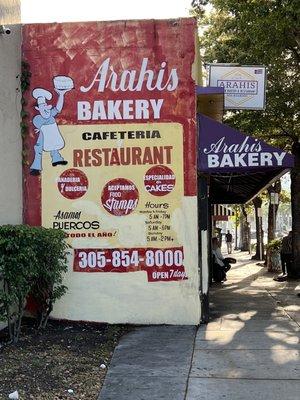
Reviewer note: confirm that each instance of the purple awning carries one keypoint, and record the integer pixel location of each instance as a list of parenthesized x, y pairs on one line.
[(205, 90), (224, 149), (239, 166)]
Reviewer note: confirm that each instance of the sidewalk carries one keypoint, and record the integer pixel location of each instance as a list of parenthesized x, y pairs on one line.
[(250, 349)]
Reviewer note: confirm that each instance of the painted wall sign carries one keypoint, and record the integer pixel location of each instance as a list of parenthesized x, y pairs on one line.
[(125, 192), (112, 161), (224, 149), (244, 86)]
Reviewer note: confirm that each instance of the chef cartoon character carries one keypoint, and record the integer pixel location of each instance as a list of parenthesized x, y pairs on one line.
[(50, 138)]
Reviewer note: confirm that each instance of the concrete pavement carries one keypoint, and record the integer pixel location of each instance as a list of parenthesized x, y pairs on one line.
[(249, 350), (151, 363)]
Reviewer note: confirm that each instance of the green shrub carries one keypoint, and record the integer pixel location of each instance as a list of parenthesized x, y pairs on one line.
[(274, 245), (51, 248), (32, 261)]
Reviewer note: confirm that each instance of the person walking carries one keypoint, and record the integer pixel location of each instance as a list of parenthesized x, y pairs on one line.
[(228, 238), (286, 253)]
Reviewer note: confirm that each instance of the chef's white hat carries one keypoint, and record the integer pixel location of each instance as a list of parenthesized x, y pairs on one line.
[(41, 100), (41, 95)]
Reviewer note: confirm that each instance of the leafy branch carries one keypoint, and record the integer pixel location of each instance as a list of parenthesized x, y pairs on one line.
[(25, 85)]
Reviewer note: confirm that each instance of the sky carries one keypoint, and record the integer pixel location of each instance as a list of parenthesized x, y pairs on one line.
[(101, 10)]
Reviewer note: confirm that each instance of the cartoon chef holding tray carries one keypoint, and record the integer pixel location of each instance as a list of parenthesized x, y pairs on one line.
[(50, 138)]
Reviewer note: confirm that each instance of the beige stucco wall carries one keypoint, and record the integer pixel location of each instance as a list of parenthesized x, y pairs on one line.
[(129, 297), (10, 12), (10, 139), (10, 143)]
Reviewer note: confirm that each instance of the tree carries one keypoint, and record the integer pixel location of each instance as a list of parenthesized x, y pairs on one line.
[(245, 229), (259, 253), (257, 32), (275, 188), (284, 210)]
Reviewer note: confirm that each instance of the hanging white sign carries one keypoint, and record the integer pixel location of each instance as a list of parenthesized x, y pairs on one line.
[(244, 86)]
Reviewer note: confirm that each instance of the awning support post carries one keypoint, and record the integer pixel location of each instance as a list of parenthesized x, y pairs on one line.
[(204, 246)]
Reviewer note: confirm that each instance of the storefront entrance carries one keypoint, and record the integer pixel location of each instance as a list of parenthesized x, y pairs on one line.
[(233, 168)]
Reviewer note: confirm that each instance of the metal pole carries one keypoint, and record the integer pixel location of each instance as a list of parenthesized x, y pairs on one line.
[(260, 236), (274, 223), (261, 240), (236, 229), (204, 231)]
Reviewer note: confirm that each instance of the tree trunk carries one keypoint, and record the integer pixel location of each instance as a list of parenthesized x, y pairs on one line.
[(245, 231), (295, 198), (259, 254), (273, 208)]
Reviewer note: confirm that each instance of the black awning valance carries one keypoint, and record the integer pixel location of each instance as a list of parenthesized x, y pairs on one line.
[(240, 188)]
